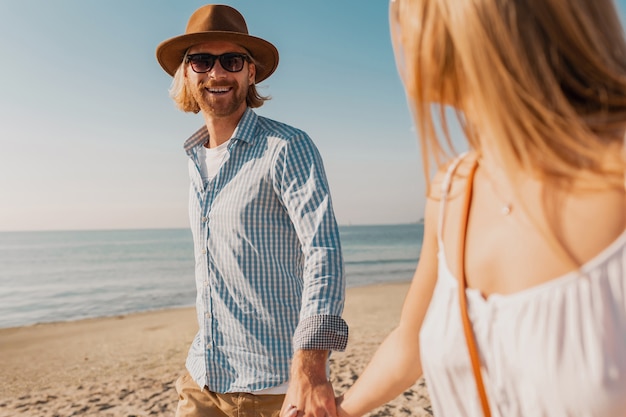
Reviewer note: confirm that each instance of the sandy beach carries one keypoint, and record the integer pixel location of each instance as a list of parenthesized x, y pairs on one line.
[(126, 366)]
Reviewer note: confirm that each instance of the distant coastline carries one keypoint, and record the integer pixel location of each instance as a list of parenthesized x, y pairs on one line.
[(349, 224)]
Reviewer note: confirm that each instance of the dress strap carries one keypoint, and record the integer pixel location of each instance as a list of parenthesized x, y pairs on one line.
[(470, 339), (445, 190)]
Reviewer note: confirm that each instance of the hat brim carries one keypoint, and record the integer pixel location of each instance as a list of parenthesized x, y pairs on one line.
[(170, 52)]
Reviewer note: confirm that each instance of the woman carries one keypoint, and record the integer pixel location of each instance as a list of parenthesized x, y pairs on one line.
[(539, 87)]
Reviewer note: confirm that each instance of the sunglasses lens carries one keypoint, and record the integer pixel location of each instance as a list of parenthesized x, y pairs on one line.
[(202, 62), (232, 62)]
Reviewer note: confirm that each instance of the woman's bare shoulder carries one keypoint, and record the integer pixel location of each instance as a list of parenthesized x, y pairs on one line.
[(461, 166)]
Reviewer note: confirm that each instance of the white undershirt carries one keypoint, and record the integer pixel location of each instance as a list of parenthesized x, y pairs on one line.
[(279, 390), (211, 159)]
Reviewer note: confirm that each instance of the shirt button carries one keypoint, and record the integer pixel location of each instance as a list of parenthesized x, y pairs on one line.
[(204, 251), (204, 219), (207, 315)]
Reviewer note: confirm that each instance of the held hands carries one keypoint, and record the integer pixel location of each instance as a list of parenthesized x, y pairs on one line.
[(310, 394), (340, 411), (292, 410), (315, 400)]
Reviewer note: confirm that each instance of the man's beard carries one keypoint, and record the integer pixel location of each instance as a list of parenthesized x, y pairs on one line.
[(214, 104)]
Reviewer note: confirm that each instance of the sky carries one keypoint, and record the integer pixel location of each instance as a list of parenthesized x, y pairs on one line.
[(89, 138)]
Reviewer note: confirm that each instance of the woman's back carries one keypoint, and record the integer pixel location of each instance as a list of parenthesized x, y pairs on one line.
[(552, 339), (514, 241)]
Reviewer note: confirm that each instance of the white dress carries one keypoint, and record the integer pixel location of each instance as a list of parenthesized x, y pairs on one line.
[(557, 349)]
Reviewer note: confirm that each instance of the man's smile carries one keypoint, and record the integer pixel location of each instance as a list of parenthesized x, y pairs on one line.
[(218, 90)]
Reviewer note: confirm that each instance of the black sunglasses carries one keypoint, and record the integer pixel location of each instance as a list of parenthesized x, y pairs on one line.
[(230, 61)]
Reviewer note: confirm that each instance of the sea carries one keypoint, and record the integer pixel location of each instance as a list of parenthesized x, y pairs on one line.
[(57, 276)]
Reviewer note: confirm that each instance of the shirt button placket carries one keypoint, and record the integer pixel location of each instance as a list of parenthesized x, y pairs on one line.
[(208, 326), (209, 342)]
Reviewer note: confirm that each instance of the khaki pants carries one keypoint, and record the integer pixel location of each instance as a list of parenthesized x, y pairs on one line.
[(193, 402)]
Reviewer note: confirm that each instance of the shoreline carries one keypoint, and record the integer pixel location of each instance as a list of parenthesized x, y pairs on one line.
[(126, 365), (159, 309)]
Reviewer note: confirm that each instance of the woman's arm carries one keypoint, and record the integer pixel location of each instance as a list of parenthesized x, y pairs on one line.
[(396, 364)]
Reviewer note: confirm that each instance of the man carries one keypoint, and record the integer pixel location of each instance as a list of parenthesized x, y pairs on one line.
[(269, 270)]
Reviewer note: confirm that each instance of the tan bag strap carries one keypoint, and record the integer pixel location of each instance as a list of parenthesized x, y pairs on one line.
[(467, 328)]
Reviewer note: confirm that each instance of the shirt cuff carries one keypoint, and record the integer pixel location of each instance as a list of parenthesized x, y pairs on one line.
[(321, 332)]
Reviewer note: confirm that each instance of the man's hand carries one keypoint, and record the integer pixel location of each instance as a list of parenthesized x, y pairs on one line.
[(310, 393)]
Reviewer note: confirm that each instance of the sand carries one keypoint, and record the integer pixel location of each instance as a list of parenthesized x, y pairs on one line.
[(126, 366)]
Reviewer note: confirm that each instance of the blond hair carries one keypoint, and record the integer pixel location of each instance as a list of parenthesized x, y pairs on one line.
[(541, 82), (184, 100)]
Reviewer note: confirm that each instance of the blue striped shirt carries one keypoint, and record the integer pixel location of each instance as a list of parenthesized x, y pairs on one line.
[(268, 263)]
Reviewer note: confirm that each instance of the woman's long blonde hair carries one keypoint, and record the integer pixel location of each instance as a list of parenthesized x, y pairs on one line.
[(542, 82)]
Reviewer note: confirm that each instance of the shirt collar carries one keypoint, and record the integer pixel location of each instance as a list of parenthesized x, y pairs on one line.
[(244, 131)]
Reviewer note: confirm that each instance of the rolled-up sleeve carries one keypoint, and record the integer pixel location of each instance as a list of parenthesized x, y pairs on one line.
[(321, 333)]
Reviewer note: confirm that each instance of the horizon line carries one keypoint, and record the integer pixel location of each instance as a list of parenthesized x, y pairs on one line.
[(122, 229)]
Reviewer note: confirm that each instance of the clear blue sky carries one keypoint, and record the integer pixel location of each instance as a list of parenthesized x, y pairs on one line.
[(90, 139)]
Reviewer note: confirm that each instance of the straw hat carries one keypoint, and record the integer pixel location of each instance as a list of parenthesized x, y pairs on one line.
[(215, 22)]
